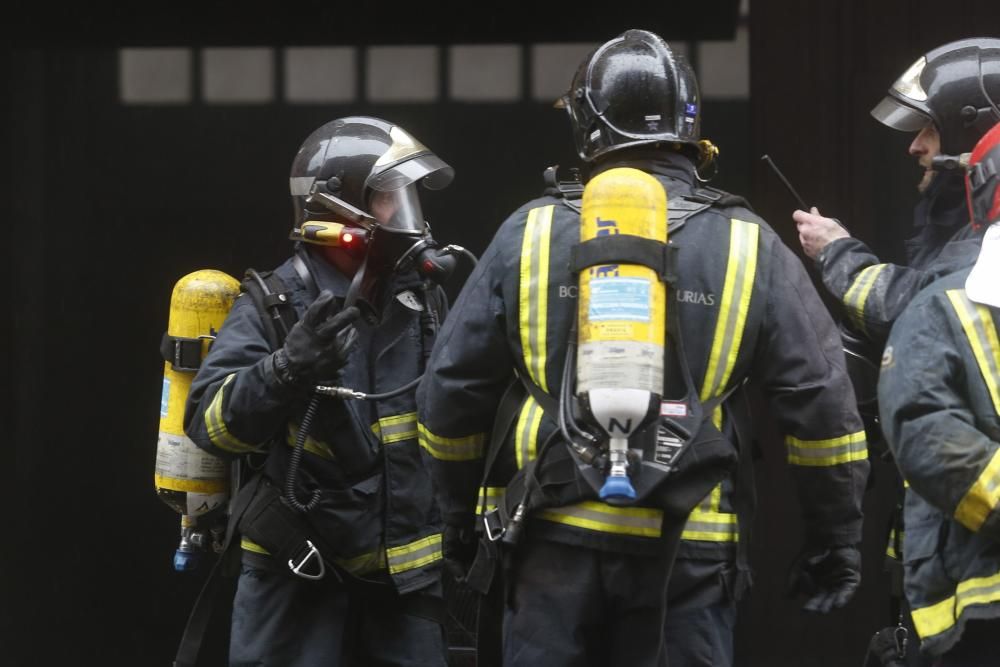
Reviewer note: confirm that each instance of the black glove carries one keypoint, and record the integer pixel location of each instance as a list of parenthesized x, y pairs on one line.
[(828, 577), (318, 345), (458, 547)]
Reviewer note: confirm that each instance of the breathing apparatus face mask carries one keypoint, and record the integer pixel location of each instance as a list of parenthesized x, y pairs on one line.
[(401, 238)]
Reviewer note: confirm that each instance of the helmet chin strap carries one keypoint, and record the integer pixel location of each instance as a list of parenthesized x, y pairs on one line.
[(354, 290)]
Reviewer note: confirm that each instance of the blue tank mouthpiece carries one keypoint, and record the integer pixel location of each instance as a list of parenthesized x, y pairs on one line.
[(185, 561), (617, 487)]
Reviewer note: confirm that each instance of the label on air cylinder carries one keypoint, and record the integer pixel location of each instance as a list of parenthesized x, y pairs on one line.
[(620, 365), (182, 466), (621, 299)]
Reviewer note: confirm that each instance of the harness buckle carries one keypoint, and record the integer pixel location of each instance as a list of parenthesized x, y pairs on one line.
[(299, 568), (493, 525)]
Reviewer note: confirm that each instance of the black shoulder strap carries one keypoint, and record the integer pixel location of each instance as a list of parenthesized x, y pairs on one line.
[(571, 191), (273, 303), (716, 197)]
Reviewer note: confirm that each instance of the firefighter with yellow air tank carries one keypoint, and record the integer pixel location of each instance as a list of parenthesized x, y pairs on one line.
[(607, 334), (310, 382)]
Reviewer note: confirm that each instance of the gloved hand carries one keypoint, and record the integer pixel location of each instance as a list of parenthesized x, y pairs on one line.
[(318, 345), (828, 577), (458, 547)]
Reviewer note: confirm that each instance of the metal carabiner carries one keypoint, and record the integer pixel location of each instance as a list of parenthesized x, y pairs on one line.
[(311, 553)]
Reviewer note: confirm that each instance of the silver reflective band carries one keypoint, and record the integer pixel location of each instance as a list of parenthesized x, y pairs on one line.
[(908, 85)]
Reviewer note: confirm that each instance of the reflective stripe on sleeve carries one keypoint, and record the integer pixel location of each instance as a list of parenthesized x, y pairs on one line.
[(829, 452), (468, 448), (216, 427), (598, 516), (981, 499), (857, 294), (396, 428), (534, 290), (942, 616), (415, 554)]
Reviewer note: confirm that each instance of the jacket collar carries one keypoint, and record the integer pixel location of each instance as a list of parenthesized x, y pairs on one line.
[(665, 164)]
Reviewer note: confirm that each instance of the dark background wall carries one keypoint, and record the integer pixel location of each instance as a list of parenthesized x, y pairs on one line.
[(108, 205)]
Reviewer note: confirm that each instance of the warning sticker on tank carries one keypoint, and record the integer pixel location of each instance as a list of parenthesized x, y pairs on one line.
[(165, 397), (619, 299)]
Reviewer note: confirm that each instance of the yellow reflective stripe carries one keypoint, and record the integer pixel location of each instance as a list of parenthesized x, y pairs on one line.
[(490, 497), (829, 452), (415, 554), (707, 526), (715, 498), (890, 548), (937, 618), (982, 497), (741, 271), (250, 545), (311, 445), (468, 448), (534, 291), (396, 428), (526, 435), (982, 334), (218, 433), (857, 294), (593, 515), (364, 563)]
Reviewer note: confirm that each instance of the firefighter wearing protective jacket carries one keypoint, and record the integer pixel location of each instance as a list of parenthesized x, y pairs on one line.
[(939, 392), (588, 580), (949, 97), (340, 535)]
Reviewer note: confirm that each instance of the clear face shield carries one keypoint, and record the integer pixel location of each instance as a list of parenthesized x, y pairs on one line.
[(399, 210)]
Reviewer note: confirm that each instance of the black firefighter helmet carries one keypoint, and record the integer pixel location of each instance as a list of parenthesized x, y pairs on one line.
[(956, 86), (362, 172), (634, 90)]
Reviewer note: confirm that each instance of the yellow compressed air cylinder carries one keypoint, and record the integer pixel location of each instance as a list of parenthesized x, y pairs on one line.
[(622, 314), (188, 479)]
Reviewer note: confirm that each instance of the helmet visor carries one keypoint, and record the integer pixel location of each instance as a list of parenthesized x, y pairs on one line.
[(432, 170), (398, 209), (899, 116)]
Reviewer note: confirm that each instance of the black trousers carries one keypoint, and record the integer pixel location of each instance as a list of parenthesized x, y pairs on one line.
[(701, 613), (284, 621), (571, 606)]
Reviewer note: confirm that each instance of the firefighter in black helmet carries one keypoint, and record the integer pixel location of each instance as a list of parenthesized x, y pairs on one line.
[(588, 580), (948, 98), (340, 537)]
